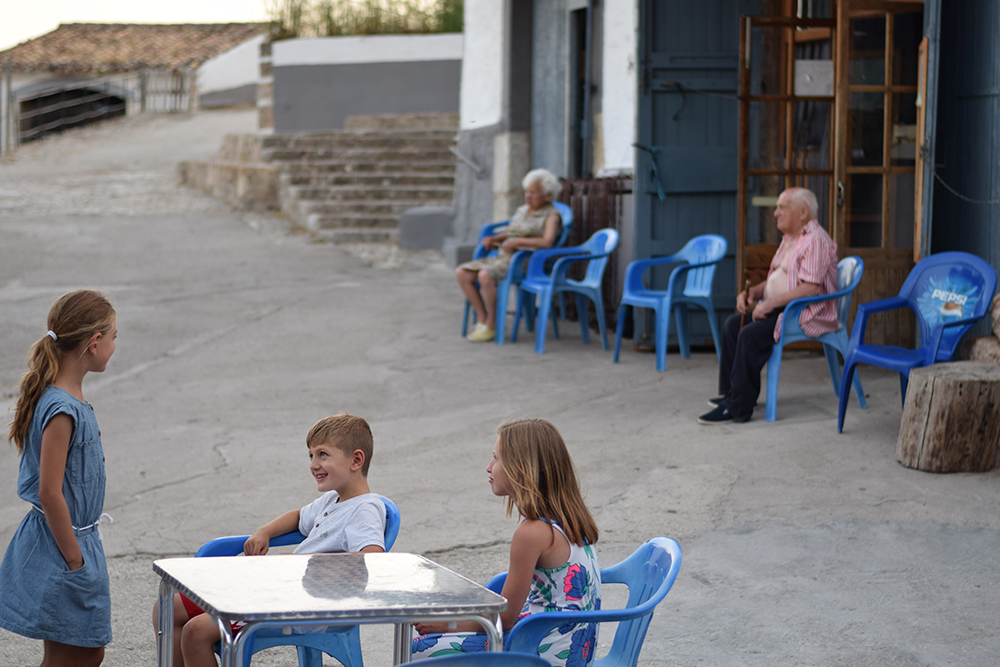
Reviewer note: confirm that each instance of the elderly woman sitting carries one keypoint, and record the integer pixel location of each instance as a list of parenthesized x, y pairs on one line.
[(535, 225)]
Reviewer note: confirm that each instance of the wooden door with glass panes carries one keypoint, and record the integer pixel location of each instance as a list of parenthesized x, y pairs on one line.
[(876, 126), (877, 123), (786, 103), (829, 101)]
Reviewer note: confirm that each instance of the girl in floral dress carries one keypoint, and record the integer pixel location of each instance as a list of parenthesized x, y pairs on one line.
[(553, 564)]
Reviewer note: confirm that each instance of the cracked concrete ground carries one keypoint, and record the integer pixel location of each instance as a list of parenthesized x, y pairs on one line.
[(801, 546)]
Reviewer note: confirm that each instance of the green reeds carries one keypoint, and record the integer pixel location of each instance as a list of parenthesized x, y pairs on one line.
[(331, 18)]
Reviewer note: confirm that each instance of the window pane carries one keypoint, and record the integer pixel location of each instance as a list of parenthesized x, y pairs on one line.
[(903, 150), (901, 210), (867, 117), (866, 210), (907, 32), (763, 194), (867, 39), (766, 75), (767, 135)]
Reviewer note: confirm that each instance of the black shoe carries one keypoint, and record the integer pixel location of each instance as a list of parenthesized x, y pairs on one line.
[(717, 401), (719, 415)]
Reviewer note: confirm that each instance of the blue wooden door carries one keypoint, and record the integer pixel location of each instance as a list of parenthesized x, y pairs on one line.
[(688, 123)]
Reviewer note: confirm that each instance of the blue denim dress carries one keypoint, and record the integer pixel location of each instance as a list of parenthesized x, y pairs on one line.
[(41, 598)]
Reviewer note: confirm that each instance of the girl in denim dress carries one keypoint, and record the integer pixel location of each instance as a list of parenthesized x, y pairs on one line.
[(53, 576), (553, 564)]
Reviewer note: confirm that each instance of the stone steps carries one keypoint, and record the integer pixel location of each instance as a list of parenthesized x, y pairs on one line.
[(323, 179), (386, 154), (347, 187), (365, 139), (348, 193), (381, 167)]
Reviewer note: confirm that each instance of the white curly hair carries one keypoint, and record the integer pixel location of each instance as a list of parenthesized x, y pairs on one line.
[(549, 181)]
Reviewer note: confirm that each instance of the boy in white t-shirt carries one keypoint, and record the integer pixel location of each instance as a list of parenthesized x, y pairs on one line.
[(348, 517)]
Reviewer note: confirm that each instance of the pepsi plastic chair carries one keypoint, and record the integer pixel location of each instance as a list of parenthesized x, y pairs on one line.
[(849, 272), (486, 659), (948, 292), (690, 283), (649, 574), (516, 272), (342, 642), (595, 251)]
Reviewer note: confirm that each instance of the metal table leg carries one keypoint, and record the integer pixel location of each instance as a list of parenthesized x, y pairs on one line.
[(165, 621)]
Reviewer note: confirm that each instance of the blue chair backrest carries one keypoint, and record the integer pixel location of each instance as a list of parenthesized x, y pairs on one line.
[(649, 574), (601, 242), (946, 287), (233, 546), (566, 213), (701, 249), (849, 272)]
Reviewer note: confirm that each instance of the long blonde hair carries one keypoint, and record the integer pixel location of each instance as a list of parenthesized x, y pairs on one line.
[(543, 479), (74, 318)]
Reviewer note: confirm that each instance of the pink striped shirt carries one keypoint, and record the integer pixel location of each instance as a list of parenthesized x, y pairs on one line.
[(814, 260)]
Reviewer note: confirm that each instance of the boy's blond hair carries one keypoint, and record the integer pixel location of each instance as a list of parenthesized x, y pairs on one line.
[(345, 432)]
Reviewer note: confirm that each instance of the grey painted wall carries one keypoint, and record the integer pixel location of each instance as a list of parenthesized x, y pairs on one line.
[(229, 98), (317, 98)]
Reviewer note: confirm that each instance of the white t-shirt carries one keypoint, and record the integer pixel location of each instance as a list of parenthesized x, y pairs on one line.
[(333, 527)]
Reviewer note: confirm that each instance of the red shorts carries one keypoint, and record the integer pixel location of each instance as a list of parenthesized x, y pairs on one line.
[(194, 610)]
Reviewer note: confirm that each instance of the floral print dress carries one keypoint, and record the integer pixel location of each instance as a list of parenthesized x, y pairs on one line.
[(522, 225), (574, 586)]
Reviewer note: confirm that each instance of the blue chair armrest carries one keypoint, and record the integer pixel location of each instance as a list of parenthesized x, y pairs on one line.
[(233, 544), (938, 334), (562, 264), (487, 230), (882, 305), (861, 318), (528, 633), (536, 265), (796, 306), (635, 269)]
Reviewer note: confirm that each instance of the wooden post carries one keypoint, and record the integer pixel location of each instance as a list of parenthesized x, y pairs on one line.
[(951, 420)]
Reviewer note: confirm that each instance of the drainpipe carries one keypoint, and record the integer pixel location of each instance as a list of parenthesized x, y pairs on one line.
[(587, 130)]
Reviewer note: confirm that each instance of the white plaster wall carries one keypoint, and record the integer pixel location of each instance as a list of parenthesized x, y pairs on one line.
[(482, 64), (620, 83), (367, 49), (239, 66)]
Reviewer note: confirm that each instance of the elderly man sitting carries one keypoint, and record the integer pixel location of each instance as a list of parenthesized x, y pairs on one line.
[(805, 265)]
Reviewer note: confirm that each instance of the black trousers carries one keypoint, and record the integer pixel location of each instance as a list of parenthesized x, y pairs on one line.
[(744, 354)]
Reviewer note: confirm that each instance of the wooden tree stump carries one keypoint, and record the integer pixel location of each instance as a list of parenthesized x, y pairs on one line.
[(951, 420)]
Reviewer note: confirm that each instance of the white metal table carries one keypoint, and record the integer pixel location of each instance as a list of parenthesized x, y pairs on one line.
[(303, 591)]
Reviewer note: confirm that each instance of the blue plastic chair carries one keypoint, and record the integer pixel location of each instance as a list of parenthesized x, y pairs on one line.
[(595, 251), (342, 642), (486, 659), (516, 272), (948, 292), (849, 272), (690, 283), (649, 574)]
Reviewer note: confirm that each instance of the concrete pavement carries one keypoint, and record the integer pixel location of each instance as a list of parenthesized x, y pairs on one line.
[(801, 546)]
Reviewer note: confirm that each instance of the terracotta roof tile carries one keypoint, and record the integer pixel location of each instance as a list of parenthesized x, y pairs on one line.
[(104, 48)]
